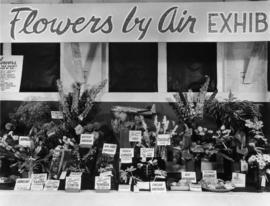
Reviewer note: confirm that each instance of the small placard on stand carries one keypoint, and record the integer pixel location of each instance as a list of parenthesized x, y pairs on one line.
[(86, 140), (102, 183), (209, 175), (239, 179), (124, 188), (22, 184), (52, 185), (38, 181), (143, 186), (135, 136), (158, 186), (25, 141), (109, 149), (57, 115), (73, 184)]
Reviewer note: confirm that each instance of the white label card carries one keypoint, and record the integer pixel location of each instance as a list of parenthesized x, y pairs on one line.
[(109, 149), (135, 136), (102, 183), (124, 188), (126, 155), (195, 187), (147, 152), (57, 115), (86, 140), (189, 176), (158, 186), (51, 185), (143, 185), (39, 179), (239, 179), (25, 141), (11, 73), (73, 184), (163, 139), (23, 184), (209, 174)]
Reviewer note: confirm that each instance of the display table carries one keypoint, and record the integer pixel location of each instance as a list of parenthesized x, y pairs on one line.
[(10, 198)]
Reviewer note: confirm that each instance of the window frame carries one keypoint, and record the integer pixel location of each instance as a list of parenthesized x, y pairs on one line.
[(161, 96)]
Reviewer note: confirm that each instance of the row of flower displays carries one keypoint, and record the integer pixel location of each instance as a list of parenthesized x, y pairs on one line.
[(59, 146)]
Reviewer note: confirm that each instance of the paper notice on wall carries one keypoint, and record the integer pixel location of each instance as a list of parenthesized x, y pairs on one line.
[(10, 73)]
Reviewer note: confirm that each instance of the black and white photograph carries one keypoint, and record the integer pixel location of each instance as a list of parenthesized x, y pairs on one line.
[(134, 102)]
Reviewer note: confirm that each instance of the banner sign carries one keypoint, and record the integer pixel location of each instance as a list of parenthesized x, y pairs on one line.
[(127, 22), (11, 73)]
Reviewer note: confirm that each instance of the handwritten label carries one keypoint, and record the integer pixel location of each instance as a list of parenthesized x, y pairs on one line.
[(23, 184), (73, 184), (147, 152), (163, 140), (189, 176), (102, 183), (38, 181), (135, 136), (51, 185), (158, 186), (239, 179), (25, 141), (209, 174), (109, 149), (143, 186), (10, 73), (86, 140), (57, 115), (126, 155)]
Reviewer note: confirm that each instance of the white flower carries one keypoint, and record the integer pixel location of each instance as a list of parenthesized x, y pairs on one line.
[(222, 127), (200, 129), (252, 159), (266, 158)]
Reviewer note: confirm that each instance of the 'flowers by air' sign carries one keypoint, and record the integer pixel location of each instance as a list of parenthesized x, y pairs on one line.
[(230, 21)]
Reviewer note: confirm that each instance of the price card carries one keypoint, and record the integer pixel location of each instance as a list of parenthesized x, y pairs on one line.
[(158, 186), (239, 179), (143, 186), (23, 184), (38, 181), (109, 149), (102, 183), (73, 184), (209, 174), (163, 139), (86, 140), (147, 152), (135, 136), (126, 155), (51, 185), (25, 141), (189, 176), (57, 115)]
